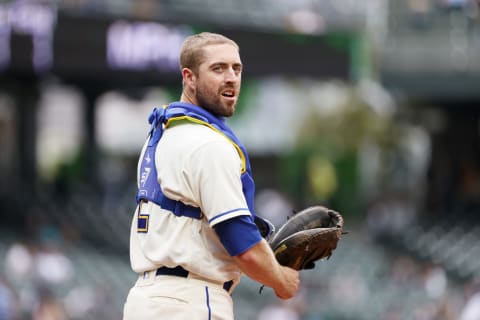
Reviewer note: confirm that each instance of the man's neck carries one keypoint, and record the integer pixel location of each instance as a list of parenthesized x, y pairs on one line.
[(185, 97)]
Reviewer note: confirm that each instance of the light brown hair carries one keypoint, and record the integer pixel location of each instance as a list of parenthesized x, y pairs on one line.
[(191, 53)]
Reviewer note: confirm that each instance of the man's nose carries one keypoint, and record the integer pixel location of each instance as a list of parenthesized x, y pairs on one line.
[(231, 75)]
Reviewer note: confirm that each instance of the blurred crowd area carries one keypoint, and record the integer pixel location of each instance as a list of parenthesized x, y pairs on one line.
[(403, 167), (57, 267)]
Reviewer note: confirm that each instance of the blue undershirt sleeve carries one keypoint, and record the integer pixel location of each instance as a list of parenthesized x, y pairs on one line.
[(238, 234)]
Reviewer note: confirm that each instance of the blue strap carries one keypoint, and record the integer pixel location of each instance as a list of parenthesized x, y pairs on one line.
[(150, 189), (156, 119), (176, 109), (179, 208)]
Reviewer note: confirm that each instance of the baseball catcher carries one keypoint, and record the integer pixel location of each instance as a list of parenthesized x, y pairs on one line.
[(310, 235)]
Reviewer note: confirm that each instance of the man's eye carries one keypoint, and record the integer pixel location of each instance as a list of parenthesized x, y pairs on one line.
[(217, 69)]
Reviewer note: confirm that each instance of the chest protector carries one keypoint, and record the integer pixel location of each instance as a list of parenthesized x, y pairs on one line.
[(160, 118)]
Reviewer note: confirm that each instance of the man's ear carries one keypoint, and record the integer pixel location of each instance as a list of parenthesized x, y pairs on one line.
[(189, 78)]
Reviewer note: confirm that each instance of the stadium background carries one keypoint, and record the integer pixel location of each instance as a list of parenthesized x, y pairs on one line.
[(369, 107)]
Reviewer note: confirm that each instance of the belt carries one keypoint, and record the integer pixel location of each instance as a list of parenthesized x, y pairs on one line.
[(179, 271)]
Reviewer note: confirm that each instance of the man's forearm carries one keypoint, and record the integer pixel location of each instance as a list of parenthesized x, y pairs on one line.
[(259, 264)]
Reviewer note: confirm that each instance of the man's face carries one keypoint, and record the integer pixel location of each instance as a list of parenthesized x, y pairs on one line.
[(218, 80)]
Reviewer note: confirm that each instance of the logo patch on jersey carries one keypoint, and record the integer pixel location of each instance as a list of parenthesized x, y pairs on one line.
[(144, 176), (147, 157)]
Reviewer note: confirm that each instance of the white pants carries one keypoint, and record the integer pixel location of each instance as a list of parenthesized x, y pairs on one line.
[(172, 297)]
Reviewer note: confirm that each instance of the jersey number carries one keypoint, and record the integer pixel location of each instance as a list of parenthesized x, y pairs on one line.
[(142, 225)]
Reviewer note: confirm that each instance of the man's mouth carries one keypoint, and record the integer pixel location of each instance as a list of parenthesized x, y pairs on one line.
[(228, 93)]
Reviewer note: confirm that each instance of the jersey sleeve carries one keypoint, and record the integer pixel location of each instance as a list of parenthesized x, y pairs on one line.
[(238, 234), (215, 179)]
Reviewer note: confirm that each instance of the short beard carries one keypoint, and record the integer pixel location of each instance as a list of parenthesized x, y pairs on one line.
[(213, 104)]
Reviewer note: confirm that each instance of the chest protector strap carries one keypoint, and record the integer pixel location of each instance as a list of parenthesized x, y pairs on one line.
[(149, 188)]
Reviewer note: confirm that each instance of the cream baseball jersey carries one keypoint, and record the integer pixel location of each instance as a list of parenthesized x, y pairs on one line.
[(201, 168)]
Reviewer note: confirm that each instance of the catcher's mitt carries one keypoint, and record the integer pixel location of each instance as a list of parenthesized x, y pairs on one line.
[(310, 235)]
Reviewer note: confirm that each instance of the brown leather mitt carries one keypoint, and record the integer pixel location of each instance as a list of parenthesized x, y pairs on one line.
[(310, 235)]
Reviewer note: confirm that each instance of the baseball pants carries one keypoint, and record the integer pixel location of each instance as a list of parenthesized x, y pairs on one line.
[(155, 297)]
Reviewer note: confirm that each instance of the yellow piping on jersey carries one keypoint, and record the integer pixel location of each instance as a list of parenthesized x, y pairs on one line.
[(195, 120)]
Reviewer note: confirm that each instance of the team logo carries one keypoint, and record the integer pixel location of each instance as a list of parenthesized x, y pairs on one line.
[(144, 176), (147, 157)]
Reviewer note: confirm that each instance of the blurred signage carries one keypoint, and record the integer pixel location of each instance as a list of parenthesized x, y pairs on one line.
[(37, 38), (144, 45), (32, 19)]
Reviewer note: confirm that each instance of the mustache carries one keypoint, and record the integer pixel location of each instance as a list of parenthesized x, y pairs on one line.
[(232, 87)]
